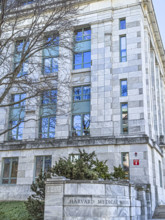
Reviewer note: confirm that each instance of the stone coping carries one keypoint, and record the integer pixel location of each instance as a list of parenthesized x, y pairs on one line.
[(58, 179)]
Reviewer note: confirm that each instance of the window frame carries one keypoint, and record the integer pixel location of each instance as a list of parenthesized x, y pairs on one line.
[(121, 87), (127, 176), (122, 19), (53, 35), (43, 165), (10, 170), (82, 51), (124, 133), (11, 108), (82, 114), (122, 57), (21, 73), (48, 116)]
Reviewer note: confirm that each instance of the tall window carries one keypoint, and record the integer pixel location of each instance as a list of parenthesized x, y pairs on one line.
[(123, 87), (20, 49), (43, 163), (10, 167), (50, 55), (160, 174), (125, 163), (122, 23), (123, 49), (16, 117), (124, 118), (82, 53), (48, 114), (81, 111)]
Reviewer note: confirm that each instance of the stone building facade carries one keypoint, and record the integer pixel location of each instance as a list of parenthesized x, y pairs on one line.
[(120, 83)]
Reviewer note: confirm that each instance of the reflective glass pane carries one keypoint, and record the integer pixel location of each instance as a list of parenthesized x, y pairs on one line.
[(78, 58), (25, 69), (78, 34), (52, 123), (44, 125), (13, 181), (45, 98), (53, 96), (86, 92), (77, 122), (6, 169), (122, 24), (87, 33), (19, 46), (77, 93), (76, 67), (39, 165), (47, 65), (86, 122), (44, 135), (87, 57), (124, 88), (16, 98), (48, 160), (123, 43), (14, 168), (124, 108), (55, 65), (5, 181)]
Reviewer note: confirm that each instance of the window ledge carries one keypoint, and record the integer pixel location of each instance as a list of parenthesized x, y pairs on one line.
[(81, 70)]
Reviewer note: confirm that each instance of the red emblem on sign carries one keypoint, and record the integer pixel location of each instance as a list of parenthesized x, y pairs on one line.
[(135, 162)]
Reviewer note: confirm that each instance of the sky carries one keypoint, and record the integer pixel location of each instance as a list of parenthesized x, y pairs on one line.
[(159, 6)]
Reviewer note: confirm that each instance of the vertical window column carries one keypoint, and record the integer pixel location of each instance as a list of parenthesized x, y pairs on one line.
[(125, 163), (20, 49), (50, 55), (124, 118), (123, 49), (81, 111), (122, 23), (16, 117), (123, 87), (48, 114), (82, 50)]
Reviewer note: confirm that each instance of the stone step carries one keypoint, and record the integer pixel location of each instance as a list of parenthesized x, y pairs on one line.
[(159, 212)]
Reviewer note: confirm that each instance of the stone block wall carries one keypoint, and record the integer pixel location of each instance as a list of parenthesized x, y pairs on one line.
[(99, 200)]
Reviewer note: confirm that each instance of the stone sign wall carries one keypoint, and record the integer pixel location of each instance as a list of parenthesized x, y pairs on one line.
[(95, 200)]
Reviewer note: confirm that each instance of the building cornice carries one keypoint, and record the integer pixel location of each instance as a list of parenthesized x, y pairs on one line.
[(77, 142), (155, 27)]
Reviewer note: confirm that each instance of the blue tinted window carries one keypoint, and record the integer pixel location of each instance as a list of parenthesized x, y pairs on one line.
[(123, 49), (123, 84), (124, 118), (20, 49), (122, 24), (50, 55), (81, 93), (17, 112), (82, 55), (48, 114), (81, 111)]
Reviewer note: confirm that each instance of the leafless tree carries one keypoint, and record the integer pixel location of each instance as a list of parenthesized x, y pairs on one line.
[(29, 28)]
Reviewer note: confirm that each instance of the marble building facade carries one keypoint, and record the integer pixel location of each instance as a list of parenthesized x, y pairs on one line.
[(122, 80)]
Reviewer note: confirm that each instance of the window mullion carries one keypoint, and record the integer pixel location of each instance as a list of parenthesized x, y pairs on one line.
[(10, 169)]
